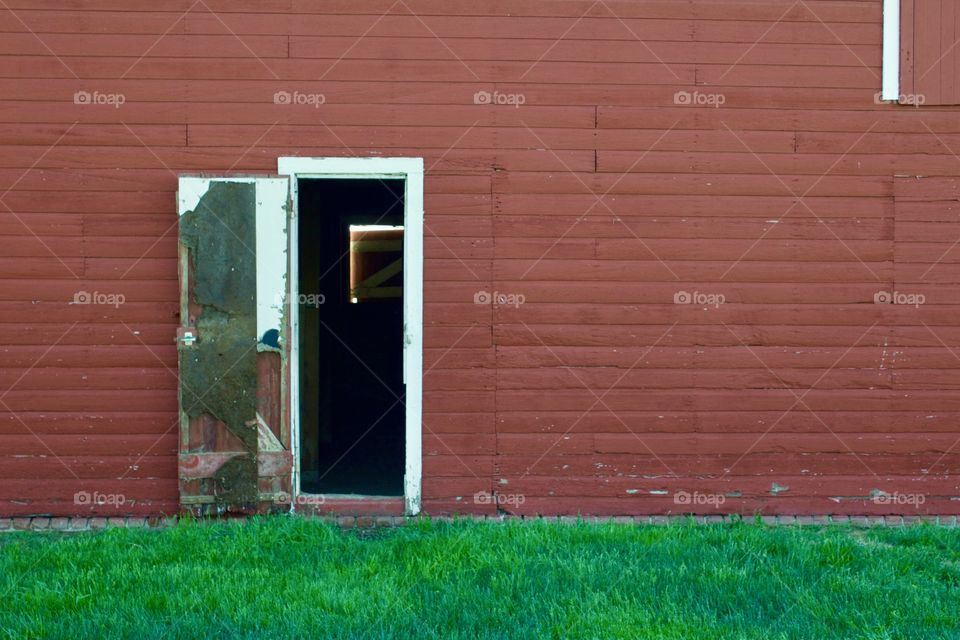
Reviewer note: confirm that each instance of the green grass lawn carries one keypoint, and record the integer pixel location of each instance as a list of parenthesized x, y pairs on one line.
[(289, 577)]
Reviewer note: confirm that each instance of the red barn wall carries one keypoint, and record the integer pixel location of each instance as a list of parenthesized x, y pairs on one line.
[(598, 200)]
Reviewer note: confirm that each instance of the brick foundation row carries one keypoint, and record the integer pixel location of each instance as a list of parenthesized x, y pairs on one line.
[(43, 523)]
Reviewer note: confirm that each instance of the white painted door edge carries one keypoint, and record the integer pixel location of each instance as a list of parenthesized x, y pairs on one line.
[(891, 50)]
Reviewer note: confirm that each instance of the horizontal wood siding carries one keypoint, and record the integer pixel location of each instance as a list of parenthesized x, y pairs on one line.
[(643, 152)]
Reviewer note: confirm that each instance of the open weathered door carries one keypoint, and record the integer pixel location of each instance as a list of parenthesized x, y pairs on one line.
[(235, 452)]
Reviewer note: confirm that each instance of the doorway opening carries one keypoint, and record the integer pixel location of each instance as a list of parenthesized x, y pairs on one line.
[(350, 254)]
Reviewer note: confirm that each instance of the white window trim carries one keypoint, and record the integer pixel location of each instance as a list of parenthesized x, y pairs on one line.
[(411, 171), (891, 50)]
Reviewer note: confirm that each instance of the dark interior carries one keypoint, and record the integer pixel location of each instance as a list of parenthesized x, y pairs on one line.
[(351, 359)]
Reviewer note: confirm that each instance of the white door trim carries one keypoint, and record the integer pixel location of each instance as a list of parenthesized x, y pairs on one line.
[(891, 50), (411, 171)]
